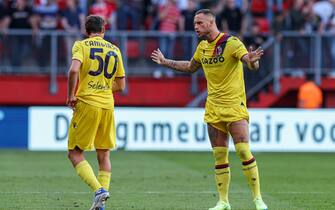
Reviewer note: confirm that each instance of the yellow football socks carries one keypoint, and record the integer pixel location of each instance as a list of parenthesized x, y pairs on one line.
[(222, 172), (104, 178), (86, 173), (249, 167)]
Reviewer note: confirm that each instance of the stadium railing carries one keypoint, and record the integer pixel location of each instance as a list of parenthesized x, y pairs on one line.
[(49, 52)]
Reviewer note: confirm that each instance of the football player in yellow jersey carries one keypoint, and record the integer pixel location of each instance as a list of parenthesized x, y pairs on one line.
[(221, 57), (97, 67)]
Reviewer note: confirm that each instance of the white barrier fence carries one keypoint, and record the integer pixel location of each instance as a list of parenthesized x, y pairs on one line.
[(182, 129)]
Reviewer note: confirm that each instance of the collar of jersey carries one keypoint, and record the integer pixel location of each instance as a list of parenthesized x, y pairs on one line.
[(216, 39), (96, 37)]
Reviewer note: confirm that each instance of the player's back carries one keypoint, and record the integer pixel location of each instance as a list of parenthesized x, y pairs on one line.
[(101, 63)]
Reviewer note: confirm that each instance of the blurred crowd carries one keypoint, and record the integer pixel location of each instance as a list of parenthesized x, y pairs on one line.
[(234, 16), (251, 20)]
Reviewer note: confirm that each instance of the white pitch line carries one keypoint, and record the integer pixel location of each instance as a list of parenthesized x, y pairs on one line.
[(158, 192)]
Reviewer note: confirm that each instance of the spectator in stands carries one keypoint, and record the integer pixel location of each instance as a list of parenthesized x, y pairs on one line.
[(259, 8), (310, 95), (203, 4), (129, 15), (187, 25), (2, 16), (278, 24), (2, 32), (261, 13), (105, 9), (48, 21), (256, 38), (148, 15), (296, 16), (312, 20), (19, 16), (326, 10), (299, 47), (216, 7), (170, 22), (232, 19), (243, 5), (47, 15), (73, 20)]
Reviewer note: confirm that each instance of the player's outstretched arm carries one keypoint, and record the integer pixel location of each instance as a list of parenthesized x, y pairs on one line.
[(182, 66), (253, 57)]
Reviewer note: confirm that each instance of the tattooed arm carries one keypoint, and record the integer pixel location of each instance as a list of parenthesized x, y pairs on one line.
[(182, 66)]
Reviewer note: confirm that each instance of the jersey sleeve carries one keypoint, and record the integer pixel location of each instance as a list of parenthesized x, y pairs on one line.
[(196, 55), (238, 48), (120, 68), (77, 52)]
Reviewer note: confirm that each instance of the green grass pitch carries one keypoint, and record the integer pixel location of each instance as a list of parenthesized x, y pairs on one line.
[(165, 180)]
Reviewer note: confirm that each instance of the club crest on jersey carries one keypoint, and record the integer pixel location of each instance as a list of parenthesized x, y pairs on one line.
[(218, 51)]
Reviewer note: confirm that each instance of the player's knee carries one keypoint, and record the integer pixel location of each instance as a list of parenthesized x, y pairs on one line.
[(243, 151), (220, 155), (71, 155)]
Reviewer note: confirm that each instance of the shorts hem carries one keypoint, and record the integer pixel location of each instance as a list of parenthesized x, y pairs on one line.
[(110, 148), (80, 147), (217, 127)]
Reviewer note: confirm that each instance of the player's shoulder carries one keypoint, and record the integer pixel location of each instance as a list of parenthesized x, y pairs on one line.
[(202, 43), (78, 43), (233, 39), (234, 42), (111, 46)]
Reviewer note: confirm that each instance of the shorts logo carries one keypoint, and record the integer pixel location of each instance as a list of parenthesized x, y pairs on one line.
[(74, 125)]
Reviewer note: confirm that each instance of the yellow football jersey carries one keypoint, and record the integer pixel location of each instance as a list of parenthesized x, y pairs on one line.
[(223, 68), (101, 62)]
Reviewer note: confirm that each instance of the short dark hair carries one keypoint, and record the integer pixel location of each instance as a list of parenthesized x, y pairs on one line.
[(94, 24), (205, 12)]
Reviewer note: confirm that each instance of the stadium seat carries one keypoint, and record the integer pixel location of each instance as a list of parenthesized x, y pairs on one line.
[(133, 49), (150, 45), (263, 24)]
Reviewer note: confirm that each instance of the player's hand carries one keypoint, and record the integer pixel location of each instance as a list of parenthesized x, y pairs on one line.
[(255, 55), (71, 102), (157, 56)]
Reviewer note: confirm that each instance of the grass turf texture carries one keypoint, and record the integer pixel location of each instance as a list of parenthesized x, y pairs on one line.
[(165, 180)]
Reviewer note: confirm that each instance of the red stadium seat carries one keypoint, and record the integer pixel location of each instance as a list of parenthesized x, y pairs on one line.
[(263, 24), (133, 49), (150, 45)]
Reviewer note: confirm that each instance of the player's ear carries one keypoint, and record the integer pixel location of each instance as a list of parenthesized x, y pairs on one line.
[(211, 21)]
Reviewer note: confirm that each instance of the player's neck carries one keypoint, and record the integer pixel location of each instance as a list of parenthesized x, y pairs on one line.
[(96, 35), (212, 36)]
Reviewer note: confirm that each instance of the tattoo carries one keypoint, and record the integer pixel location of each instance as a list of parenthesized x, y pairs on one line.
[(183, 66), (239, 131)]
